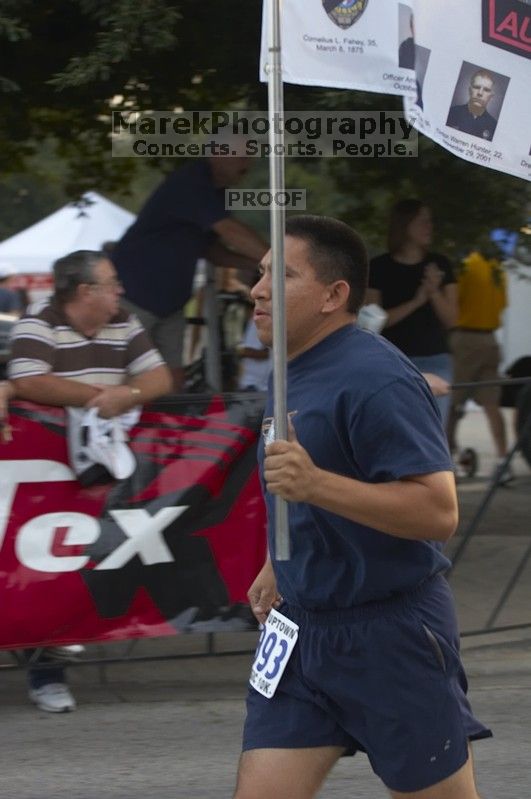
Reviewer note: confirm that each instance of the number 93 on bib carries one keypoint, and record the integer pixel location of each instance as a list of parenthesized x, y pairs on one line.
[(277, 641)]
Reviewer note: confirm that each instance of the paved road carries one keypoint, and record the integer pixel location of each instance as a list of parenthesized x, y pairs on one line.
[(177, 736)]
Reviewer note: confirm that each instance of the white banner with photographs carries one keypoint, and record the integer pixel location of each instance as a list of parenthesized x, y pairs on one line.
[(474, 75), (463, 66), (347, 45)]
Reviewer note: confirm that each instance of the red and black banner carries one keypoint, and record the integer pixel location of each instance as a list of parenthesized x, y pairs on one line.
[(173, 547), (507, 24)]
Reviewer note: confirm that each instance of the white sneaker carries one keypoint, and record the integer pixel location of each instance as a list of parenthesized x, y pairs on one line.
[(94, 443), (106, 445), (68, 653), (466, 463), (54, 697)]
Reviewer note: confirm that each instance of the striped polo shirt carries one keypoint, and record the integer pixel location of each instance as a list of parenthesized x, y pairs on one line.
[(43, 342)]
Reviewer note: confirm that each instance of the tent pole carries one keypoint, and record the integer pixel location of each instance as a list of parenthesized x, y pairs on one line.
[(277, 223)]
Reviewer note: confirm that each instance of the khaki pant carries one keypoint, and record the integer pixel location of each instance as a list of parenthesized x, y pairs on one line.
[(476, 358)]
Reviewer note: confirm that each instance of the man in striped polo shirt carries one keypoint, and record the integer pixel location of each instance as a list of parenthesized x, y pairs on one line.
[(82, 350)]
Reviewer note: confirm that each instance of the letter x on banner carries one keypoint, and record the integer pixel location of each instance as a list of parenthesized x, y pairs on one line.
[(462, 66), (173, 547)]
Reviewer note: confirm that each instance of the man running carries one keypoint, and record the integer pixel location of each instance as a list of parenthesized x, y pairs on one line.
[(369, 479)]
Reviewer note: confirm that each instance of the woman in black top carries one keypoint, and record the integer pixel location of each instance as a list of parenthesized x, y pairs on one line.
[(418, 291)]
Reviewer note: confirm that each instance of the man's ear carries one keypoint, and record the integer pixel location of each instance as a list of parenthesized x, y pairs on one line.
[(337, 296)]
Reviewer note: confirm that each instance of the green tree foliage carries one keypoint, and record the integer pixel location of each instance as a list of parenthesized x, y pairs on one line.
[(62, 63), (65, 64), (25, 199)]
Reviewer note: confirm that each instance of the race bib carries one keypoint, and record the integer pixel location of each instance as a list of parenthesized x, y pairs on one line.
[(277, 640)]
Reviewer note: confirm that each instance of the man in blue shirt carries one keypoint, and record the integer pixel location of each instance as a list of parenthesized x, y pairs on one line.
[(185, 219), (10, 302), (372, 499)]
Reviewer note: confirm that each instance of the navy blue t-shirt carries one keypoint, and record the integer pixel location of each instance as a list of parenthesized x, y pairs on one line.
[(156, 257), (461, 119), (361, 409), (9, 301)]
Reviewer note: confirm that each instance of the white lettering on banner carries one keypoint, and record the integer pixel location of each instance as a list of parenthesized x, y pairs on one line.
[(144, 539), (14, 472), (36, 538)]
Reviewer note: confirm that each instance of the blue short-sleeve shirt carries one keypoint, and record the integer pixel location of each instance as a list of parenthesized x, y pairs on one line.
[(361, 409), (157, 256)]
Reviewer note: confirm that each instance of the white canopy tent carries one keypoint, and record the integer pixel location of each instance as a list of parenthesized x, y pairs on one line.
[(82, 225)]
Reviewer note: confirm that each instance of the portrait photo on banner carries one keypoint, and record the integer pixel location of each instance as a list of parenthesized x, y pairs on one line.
[(477, 100)]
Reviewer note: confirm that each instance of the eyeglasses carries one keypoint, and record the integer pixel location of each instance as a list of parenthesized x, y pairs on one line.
[(106, 284)]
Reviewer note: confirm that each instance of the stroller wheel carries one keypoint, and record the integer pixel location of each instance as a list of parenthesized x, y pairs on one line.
[(468, 460)]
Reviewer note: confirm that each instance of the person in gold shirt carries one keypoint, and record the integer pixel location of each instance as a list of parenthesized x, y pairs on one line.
[(482, 297)]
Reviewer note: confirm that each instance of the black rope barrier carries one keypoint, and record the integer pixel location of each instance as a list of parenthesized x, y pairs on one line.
[(507, 628), (505, 381), (21, 664)]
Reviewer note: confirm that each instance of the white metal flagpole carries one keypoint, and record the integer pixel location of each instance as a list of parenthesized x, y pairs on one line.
[(277, 221)]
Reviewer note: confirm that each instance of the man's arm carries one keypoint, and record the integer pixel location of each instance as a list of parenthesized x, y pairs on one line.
[(7, 392), (220, 256), (237, 236), (139, 390), (422, 507), (153, 384), (263, 594), (439, 386), (110, 400), (255, 355), (52, 390)]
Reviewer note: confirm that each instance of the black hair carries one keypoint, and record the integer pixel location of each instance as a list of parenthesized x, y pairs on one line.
[(72, 270), (336, 252)]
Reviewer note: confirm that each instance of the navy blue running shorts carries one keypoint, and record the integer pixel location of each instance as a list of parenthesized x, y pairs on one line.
[(383, 678)]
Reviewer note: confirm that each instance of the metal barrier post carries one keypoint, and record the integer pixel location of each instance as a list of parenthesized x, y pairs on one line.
[(525, 433), (213, 348)]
